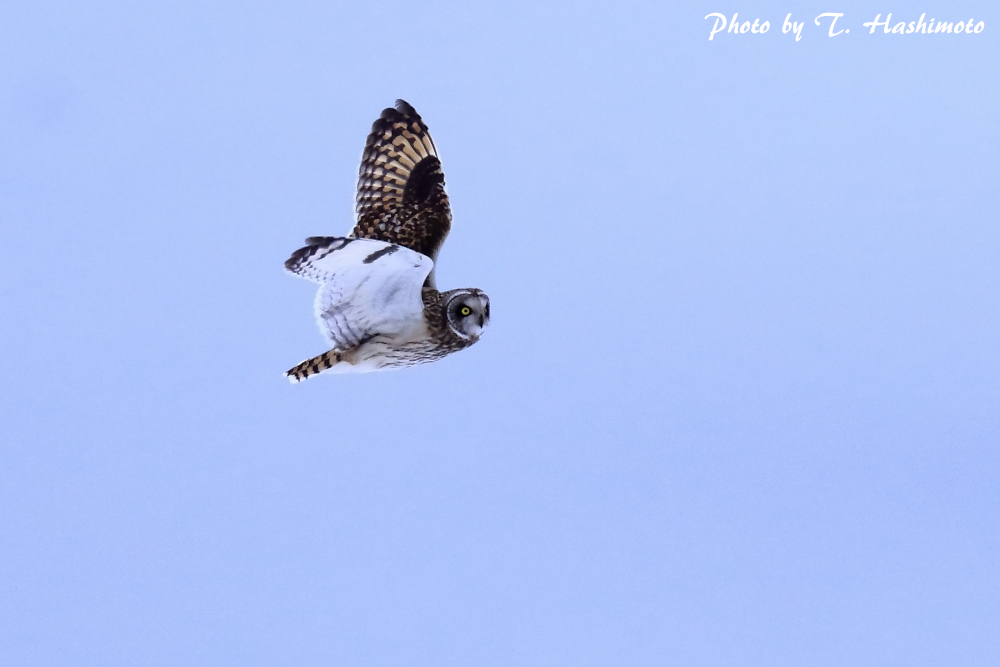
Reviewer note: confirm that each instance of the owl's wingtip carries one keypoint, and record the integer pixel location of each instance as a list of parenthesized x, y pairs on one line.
[(390, 115), (405, 108)]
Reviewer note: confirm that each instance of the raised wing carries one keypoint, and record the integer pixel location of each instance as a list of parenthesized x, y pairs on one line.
[(401, 197), (367, 287)]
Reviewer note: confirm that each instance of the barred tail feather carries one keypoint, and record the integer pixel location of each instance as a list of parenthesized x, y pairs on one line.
[(313, 366)]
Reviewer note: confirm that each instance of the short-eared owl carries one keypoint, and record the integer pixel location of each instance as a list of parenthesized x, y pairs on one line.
[(377, 303)]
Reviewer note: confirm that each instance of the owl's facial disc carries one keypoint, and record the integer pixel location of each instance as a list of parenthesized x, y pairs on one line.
[(469, 313)]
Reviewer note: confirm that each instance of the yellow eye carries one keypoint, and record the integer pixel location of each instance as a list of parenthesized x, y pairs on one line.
[(465, 311)]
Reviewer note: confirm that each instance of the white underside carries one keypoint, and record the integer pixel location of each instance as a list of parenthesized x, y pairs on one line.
[(370, 291), (387, 352)]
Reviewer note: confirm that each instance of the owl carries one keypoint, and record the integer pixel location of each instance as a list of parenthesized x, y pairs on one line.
[(378, 305)]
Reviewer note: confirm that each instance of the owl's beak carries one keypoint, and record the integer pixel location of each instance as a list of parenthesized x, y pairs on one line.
[(482, 321)]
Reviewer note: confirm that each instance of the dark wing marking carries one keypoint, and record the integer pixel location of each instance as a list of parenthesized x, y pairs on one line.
[(303, 261), (401, 197), (380, 253)]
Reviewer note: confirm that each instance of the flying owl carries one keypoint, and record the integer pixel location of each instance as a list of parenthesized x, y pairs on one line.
[(378, 305)]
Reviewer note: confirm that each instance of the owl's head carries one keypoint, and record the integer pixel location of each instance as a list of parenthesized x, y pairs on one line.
[(467, 312)]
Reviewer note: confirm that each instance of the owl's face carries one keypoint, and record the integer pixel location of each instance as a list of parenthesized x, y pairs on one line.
[(468, 313)]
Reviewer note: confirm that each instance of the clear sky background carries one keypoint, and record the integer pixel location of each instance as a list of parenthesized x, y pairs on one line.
[(738, 403)]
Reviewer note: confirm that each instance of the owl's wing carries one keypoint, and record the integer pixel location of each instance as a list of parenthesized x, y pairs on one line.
[(401, 197), (367, 287)]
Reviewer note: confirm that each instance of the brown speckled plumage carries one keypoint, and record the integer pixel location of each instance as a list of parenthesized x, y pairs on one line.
[(401, 197)]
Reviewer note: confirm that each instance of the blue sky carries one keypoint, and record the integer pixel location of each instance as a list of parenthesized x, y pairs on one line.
[(737, 403)]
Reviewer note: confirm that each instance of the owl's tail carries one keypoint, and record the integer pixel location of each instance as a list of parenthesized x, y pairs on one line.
[(313, 366)]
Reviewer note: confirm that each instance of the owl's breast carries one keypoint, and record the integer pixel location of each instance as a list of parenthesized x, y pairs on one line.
[(415, 345)]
